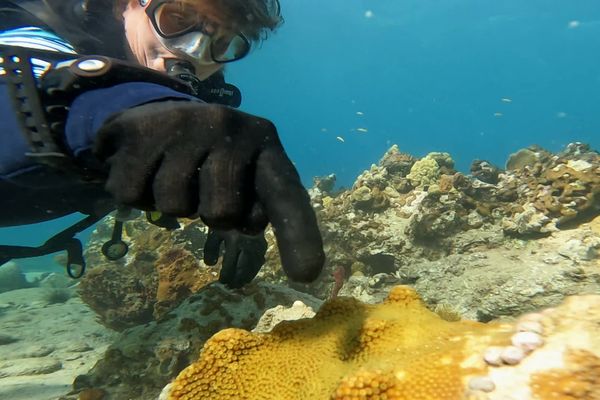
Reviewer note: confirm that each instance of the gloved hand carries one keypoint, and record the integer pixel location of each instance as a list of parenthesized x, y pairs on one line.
[(243, 257), (190, 159)]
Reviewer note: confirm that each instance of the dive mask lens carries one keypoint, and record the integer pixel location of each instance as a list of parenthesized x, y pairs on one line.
[(228, 49), (181, 29), (207, 49), (176, 18)]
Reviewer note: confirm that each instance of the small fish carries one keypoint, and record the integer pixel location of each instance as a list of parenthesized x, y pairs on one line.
[(498, 114), (506, 100), (323, 129), (362, 130), (341, 139), (360, 113)]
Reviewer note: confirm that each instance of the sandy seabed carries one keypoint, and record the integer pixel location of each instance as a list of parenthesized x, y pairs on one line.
[(44, 346)]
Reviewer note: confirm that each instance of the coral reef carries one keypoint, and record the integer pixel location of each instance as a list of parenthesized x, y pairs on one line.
[(349, 350), (401, 350), (557, 191), (161, 269), (484, 171), (488, 247), (496, 244), (159, 350)]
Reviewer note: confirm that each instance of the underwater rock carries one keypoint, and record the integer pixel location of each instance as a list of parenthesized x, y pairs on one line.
[(440, 215), (350, 351), (273, 316), (565, 190), (567, 363), (50, 349), (159, 350), (397, 163), (362, 198), (529, 221), (444, 160), (161, 269), (92, 394), (57, 295), (528, 157), (457, 216), (7, 339), (121, 296), (29, 366), (325, 184), (485, 171), (484, 250), (11, 277), (56, 281), (37, 351), (455, 238), (179, 276)]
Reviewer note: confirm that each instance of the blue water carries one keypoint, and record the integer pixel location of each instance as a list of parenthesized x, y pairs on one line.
[(428, 75)]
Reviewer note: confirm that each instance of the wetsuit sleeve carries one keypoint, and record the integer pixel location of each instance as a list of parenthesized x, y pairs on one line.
[(90, 110), (87, 114)]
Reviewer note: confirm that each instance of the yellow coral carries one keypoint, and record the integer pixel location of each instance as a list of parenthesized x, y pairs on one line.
[(424, 172), (579, 380), (349, 351)]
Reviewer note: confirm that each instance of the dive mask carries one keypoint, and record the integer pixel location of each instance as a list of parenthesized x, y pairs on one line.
[(181, 29)]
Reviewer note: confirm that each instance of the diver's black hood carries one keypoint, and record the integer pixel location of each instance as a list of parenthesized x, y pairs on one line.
[(89, 25)]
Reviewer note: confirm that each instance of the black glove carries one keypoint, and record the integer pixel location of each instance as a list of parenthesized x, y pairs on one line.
[(190, 159), (244, 255)]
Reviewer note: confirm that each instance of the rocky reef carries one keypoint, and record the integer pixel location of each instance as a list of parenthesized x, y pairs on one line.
[(162, 268), (491, 244), (405, 220)]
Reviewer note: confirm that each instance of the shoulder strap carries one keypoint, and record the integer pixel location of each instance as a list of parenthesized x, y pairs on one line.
[(71, 20), (43, 134)]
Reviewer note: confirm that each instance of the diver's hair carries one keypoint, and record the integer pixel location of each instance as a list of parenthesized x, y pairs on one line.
[(255, 18)]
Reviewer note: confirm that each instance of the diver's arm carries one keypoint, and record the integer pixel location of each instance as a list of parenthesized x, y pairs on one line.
[(189, 159), (90, 110)]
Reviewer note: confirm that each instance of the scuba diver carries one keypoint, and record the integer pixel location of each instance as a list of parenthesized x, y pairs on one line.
[(101, 113)]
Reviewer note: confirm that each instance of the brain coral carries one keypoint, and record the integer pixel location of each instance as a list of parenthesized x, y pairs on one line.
[(349, 350)]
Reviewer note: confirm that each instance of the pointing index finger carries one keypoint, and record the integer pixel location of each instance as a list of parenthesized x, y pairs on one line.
[(288, 208)]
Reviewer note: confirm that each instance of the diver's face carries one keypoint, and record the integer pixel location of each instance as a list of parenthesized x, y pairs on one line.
[(146, 47)]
